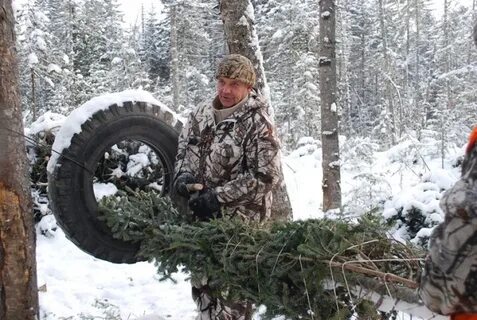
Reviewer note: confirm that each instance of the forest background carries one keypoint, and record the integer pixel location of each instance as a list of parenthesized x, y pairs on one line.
[(405, 74), (402, 67)]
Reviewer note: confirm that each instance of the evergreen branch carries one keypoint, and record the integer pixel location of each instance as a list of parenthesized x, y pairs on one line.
[(291, 263)]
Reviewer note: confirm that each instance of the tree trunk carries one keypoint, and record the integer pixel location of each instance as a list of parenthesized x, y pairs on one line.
[(445, 24), (417, 93), (408, 43), (329, 115), (239, 26), (470, 51), (448, 105), (18, 287), (387, 72), (33, 98), (174, 58), (363, 96)]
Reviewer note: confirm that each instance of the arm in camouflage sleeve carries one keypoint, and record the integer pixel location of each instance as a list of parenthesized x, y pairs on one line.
[(449, 280), (263, 166), (185, 158)]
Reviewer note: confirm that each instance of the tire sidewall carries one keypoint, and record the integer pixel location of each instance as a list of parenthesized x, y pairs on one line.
[(71, 185)]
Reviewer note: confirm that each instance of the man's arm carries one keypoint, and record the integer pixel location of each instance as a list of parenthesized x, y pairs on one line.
[(449, 279), (185, 157)]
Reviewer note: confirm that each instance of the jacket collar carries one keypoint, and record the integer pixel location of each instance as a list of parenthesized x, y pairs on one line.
[(254, 101)]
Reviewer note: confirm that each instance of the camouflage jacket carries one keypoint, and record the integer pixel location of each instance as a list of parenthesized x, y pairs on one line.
[(238, 157), (449, 281)]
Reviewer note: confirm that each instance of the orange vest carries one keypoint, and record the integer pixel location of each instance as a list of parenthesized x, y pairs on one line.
[(464, 316)]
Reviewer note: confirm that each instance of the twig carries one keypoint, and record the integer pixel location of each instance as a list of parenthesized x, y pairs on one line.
[(256, 268), (279, 254), (306, 290), (346, 281), (387, 277), (226, 249)]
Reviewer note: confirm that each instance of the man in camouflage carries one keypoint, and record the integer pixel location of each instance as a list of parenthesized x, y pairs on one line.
[(230, 148), (449, 280)]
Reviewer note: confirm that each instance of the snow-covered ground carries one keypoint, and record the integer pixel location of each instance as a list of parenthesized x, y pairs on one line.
[(78, 284), (74, 285)]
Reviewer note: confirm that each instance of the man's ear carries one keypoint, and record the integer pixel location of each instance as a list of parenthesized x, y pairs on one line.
[(250, 89)]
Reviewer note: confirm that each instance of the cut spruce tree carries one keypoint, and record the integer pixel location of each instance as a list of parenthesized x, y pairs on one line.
[(315, 269)]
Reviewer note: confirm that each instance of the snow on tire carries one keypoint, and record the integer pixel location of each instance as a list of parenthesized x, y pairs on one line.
[(70, 183)]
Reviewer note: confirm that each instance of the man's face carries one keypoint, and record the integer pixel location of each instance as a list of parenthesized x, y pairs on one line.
[(231, 91)]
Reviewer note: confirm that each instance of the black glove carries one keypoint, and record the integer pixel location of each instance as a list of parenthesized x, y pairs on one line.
[(205, 205), (180, 185)]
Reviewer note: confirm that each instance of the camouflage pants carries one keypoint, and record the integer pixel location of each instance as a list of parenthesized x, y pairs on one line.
[(211, 308)]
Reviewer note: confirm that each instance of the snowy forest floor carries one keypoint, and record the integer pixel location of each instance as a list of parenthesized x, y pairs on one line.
[(408, 176)]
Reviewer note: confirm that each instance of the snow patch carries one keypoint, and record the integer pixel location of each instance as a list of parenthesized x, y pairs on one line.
[(243, 21), (250, 12), (49, 81), (278, 34), (116, 60), (53, 68), (334, 164), (76, 282), (40, 43), (306, 140), (136, 163), (49, 121), (32, 59), (102, 190)]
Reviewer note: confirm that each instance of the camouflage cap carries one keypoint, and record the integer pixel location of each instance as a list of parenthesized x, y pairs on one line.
[(236, 66)]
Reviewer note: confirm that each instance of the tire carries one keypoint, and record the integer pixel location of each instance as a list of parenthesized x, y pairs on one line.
[(70, 185)]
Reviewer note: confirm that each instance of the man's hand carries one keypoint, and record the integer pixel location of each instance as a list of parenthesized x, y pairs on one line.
[(205, 205), (180, 185)]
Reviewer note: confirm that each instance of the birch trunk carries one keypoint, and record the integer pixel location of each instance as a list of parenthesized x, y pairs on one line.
[(18, 287)]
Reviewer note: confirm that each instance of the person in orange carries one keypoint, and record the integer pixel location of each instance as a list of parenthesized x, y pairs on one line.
[(464, 316), (448, 284)]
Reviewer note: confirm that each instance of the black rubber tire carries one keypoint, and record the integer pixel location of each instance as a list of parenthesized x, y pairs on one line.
[(70, 186)]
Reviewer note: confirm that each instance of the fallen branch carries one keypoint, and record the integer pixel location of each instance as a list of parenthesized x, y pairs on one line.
[(385, 277)]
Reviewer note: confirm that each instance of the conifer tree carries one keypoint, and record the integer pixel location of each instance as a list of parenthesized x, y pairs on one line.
[(289, 51), (35, 44), (62, 26), (154, 52)]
